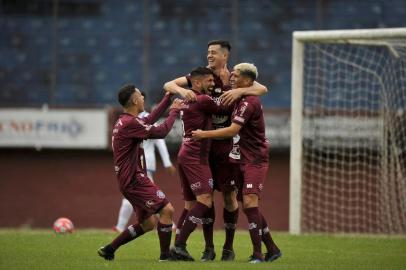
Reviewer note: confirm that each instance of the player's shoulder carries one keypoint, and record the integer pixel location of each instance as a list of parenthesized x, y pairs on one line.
[(251, 99)]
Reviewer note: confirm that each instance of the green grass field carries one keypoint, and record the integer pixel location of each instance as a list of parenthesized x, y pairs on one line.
[(43, 249)]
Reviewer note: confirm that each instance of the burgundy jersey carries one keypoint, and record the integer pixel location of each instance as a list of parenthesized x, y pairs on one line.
[(253, 144), (220, 147), (128, 134), (197, 115)]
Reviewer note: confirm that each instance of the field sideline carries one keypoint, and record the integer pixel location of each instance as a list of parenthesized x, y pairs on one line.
[(43, 249)]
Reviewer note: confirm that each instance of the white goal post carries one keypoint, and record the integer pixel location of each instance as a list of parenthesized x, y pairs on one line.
[(348, 131)]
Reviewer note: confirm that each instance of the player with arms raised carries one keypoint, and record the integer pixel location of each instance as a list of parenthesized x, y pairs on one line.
[(248, 122), (193, 159), (146, 198), (223, 171)]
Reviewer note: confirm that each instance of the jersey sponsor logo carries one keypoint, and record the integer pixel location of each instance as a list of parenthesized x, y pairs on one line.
[(196, 185), (249, 185), (217, 90), (243, 108), (232, 182), (219, 119), (160, 194), (235, 152)]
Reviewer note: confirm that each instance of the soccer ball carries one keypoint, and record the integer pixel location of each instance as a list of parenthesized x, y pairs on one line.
[(63, 225)]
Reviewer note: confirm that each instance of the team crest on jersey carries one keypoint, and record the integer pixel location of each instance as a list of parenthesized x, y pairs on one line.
[(149, 203), (160, 194)]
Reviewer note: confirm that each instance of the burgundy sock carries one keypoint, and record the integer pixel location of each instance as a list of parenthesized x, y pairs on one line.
[(271, 247), (164, 234), (129, 234), (193, 218), (254, 227), (230, 224), (208, 223), (181, 220)]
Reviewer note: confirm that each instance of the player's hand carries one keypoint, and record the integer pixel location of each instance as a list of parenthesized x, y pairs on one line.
[(224, 75), (230, 96), (197, 134), (187, 94), (176, 104), (171, 170)]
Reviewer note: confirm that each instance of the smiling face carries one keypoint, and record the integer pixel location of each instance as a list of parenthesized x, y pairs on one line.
[(237, 80), (216, 56)]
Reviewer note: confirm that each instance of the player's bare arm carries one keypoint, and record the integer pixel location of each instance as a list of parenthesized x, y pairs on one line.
[(177, 86), (226, 132), (232, 95)]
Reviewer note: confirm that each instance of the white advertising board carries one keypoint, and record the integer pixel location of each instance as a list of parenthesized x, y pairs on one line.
[(56, 128)]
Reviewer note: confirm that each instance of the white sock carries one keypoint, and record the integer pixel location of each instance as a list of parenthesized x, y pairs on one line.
[(124, 215)]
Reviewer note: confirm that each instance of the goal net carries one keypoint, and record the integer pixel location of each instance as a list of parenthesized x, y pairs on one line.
[(348, 142)]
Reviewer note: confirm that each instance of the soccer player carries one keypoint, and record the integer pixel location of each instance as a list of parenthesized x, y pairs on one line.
[(248, 122), (126, 208), (129, 164), (225, 174), (193, 161)]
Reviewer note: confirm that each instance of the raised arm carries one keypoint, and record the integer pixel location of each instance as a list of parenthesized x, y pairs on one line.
[(160, 131), (159, 110), (177, 86), (232, 95)]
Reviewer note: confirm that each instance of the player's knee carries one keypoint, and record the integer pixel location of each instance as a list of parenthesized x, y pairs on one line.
[(250, 200), (206, 199), (230, 200), (189, 204), (148, 224), (167, 211)]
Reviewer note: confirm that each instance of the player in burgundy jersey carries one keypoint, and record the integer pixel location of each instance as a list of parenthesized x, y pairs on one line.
[(248, 122), (224, 172), (193, 160), (129, 164)]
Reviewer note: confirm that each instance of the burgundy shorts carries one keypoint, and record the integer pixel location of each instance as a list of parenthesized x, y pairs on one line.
[(195, 180), (145, 197), (254, 177), (227, 176)]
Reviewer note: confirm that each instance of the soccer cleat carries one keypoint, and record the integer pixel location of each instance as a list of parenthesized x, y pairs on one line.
[(165, 257), (253, 260), (105, 253), (180, 253), (270, 257), (228, 255), (208, 254)]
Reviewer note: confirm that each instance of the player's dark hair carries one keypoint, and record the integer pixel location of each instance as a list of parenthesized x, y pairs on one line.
[(125, 93), (200, 71), (223, 44)]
